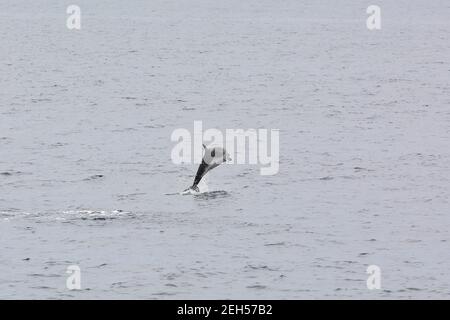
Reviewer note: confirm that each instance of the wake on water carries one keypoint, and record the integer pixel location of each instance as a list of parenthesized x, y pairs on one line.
[(204, 191), (202, 187)]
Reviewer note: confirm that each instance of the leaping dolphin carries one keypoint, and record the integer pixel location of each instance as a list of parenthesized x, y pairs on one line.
[(213, 157)]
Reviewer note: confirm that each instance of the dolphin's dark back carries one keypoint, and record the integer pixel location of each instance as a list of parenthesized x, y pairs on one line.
[(200, 173), (202, 170)]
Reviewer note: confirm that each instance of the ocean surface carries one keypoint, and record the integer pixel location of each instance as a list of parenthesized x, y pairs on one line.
[(86, 176)]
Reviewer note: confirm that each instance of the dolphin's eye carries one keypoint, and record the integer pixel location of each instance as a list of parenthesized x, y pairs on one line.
[(213, 153)]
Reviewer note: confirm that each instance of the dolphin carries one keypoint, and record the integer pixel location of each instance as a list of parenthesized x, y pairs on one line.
[(212, 158)]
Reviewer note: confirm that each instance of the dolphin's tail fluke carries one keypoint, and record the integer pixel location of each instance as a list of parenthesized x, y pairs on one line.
[(194, 189)]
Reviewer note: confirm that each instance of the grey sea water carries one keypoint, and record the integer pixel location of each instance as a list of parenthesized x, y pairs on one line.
[(86, 176)]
